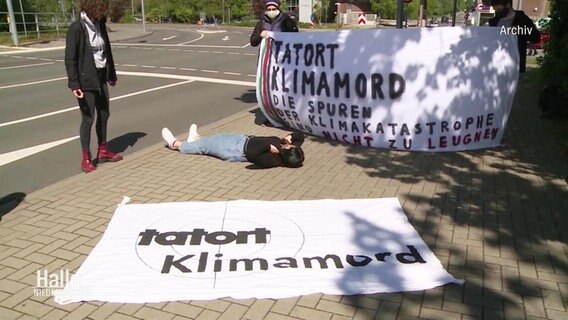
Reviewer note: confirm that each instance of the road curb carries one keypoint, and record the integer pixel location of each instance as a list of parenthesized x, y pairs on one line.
[(133, 157)]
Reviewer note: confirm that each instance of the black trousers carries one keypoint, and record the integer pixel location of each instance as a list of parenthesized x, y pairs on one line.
[(94, 103)]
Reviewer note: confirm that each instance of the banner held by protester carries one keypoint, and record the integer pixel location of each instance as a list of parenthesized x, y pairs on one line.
[(442, 89)]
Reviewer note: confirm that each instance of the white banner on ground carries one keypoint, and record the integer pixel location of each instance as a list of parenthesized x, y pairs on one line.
[(255, 249), (426, 89)]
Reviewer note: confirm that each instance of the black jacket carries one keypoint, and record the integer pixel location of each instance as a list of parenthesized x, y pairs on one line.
[(521, 19), (79, 61), (288, 25), (258, 150)]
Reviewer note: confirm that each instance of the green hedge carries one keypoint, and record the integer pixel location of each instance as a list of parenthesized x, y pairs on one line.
[(555, 62)]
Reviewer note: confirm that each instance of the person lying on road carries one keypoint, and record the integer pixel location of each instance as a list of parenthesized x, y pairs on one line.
[(265, 152)]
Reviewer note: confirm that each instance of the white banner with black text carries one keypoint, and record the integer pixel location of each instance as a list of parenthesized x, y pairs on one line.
[(423, 89), (255, 249)]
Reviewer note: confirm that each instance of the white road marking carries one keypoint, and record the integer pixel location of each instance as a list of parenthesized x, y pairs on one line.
[(31, 83), (27, 65), (5, 124), (185, 44), (169, 38), (225, 38), (182, 77), (191, 41), (28, 50), (211, 31), (168, 68), (23, 153), (130, 65), (188, 69), (233, 73), (144, 66), (209, 71)]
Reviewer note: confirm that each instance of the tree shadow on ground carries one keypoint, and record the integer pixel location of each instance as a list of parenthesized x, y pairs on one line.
[(10, 202), (496, 216), (499, 212)]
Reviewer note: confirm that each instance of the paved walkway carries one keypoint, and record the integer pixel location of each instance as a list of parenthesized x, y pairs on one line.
[(496, 218)]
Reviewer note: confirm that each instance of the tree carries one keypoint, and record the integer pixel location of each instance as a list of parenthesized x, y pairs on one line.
[(116, 10), (387, 8), (555, 64)]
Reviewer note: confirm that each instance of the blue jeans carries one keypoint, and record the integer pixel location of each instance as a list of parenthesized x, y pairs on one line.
[(225, 146)]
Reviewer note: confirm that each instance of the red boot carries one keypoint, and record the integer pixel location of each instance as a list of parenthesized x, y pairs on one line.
[(105, 155), (87, 164)]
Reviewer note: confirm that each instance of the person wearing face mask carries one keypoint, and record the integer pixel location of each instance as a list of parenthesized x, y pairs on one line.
[(506, 17), (272, 20)]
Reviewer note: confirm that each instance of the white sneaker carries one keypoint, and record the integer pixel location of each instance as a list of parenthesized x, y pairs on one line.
[(193, 135), (168, 137)]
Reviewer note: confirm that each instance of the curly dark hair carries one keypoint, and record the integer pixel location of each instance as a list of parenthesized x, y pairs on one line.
[(96, 10), (257, 8)]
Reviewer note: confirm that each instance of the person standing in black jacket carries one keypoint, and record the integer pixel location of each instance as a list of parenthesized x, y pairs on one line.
[(265, 152), (272, 20), (90, 66), (506, 17)]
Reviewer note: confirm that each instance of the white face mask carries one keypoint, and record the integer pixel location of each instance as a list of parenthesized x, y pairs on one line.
[(272, 14)]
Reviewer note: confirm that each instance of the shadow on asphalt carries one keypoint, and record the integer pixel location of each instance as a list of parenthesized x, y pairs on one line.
[(10, 202), (248, 97), (120, 144)]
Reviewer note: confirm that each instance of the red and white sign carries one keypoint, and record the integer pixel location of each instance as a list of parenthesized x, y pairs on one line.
[(362, 20), (480, 5)]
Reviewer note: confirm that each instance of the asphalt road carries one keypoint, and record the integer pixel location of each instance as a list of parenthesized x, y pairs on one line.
[(172, 77)]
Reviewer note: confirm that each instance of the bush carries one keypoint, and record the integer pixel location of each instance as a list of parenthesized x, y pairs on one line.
[(554, 63)]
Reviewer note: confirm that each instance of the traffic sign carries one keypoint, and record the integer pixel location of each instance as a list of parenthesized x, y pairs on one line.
[(362, 19)]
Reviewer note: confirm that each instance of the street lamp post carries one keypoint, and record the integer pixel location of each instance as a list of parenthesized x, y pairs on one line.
[(399, 13), (454, 13), (12, 22), (337, 15), (23, 18), (143, 17)]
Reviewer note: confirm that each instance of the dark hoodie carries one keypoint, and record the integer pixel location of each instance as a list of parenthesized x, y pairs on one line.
[(282, 23), (522, 20)]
